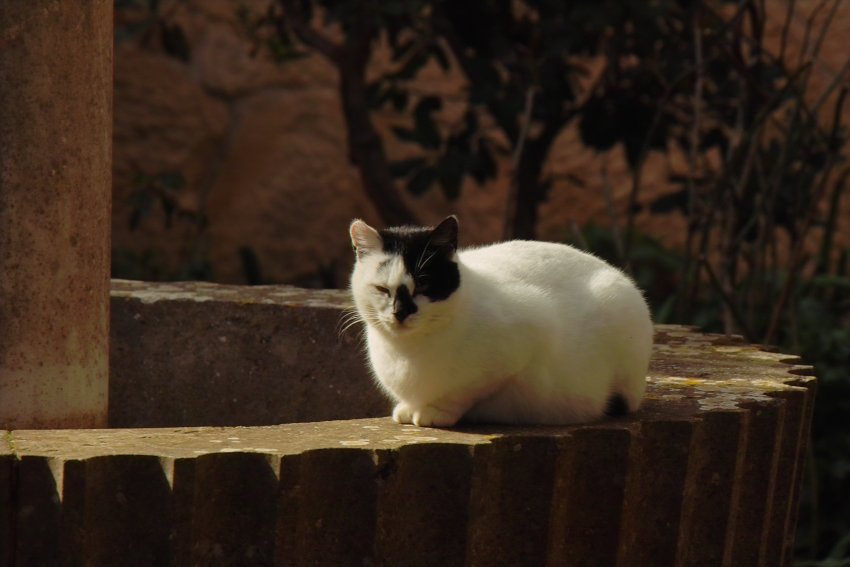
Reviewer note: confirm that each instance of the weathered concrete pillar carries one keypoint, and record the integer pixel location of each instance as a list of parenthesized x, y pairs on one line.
[(55, 197)]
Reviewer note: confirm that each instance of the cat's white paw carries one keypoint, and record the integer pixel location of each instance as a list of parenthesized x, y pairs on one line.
[(429, 416), (426, 416), (403, 414)]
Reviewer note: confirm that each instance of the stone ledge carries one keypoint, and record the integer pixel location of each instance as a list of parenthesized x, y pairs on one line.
[(707, 473), (196, 354), (281, 295)]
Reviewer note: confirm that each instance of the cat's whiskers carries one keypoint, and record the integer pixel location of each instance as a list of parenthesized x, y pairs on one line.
[(422, 255), (349, 318), (349, 323), (425, 263)]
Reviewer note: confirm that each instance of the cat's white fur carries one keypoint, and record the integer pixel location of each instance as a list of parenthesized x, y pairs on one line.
[(537, 333)]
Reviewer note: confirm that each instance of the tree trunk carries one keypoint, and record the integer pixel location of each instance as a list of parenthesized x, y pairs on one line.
[(521, 222), (528, 191), (366, 150)]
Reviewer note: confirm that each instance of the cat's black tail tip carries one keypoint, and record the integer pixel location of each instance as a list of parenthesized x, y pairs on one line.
[(616, 405)]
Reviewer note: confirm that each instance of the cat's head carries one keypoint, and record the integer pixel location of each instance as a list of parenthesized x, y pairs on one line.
[(404, 277)]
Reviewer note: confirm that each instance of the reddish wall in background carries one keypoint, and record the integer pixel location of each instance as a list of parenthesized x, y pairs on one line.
[(261, 149)]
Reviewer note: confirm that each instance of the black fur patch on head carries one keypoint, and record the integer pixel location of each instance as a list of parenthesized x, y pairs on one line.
[(427, 254), (616, 405)]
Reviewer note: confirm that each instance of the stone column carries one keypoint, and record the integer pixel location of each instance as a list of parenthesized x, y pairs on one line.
[(55, 201)]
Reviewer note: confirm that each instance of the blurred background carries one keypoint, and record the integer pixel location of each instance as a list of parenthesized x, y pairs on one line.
[(699, 145)]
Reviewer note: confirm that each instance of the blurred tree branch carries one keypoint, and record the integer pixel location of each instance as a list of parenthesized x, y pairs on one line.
[(350, 57)]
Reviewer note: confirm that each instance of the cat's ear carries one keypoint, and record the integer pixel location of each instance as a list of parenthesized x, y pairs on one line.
[(445, 233), (364, 238)]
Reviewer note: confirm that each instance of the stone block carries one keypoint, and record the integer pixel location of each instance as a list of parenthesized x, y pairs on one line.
[(588, 496), (192, 354), (809, 387), (328, 512), (757, 474), (180, 473), (709, 488), (117, 510), (788, 466), (7, 506), (37, 515), (234, 509), (511, 500), (654, 492), (423, 504)]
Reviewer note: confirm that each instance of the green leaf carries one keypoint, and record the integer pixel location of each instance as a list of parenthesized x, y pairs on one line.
[(828, 280), (377, 94), (175, 43), (411, 67), (405, 167), (283, 49), (451, 170), (172, 180), (422, 181), (441, 57), (664, 313), (429, 104), (142, 203), (426, 131), (483, 165), (405, 134), (401, 50), (399, 100)]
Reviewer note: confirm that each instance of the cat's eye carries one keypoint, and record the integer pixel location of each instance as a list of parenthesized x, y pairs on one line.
[(382, 289)]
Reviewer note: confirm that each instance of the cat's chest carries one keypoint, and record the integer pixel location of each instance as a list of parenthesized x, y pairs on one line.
[(410, 360)]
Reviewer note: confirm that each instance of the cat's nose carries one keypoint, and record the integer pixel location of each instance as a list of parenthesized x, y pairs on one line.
[(400, 316), (403, 305), (402, 311)]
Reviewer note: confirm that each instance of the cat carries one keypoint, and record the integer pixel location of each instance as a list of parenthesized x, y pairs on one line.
[(521, 332)]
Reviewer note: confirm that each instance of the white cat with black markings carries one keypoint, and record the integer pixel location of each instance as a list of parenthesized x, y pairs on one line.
[(520, 332)]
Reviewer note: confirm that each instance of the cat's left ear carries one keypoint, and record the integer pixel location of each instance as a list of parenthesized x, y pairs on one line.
[(445, 233), (364, 238)]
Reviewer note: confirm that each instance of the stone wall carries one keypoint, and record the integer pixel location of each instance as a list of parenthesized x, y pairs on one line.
[(262, 150), (185, 354), (708, 472)]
